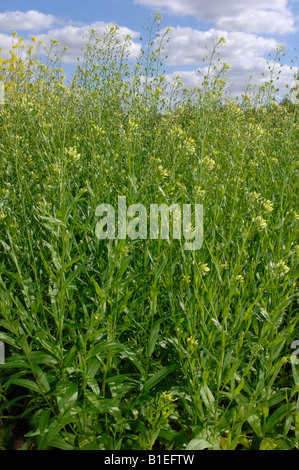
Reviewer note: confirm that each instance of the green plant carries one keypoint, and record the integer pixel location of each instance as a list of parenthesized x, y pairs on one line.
[(140, 344)]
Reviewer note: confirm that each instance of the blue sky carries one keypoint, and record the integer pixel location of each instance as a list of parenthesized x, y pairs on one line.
[(122, 12), (252, 29)]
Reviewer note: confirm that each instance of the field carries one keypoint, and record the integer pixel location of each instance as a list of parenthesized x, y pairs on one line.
[(139, 343)]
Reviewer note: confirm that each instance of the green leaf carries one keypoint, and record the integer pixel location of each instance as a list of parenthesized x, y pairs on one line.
[(268, 444), (255, 423), (153, 338), (52, 220), (105, 347), (93, 384), (277, 417), (9, 340), (73, 275), (10, 380), (27, 384), (99, 291), (46, 439), (16, 361), (47, 342), (92, 367), (239, 388), (41, 379), (121, 384), (44, 420), (39, 357), (104, 405), (198, 444), (59, 442), (156, 378), (70, 356), (67, 394), (207, 397)]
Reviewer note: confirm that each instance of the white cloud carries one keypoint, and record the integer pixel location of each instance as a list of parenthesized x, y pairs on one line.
[(259, 16), (270, 22), (238, 78), (75, 37), (72, 37), (31, 20), (5, 44), (245, 52), (189, 46)]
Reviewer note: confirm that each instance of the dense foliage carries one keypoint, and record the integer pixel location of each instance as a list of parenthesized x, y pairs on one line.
[(140, 344)]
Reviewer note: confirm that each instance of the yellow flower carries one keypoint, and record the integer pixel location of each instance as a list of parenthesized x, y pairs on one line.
[(167, 396), (14, 34), (190, 145), (33, 39), (282, 268), (268, 206), (279, 269), (260, 222), (72, 153), (162, 170), (186, 279), (209, 162), (133, 125), (199, 191), (256, 195), (205, 268), (192, 341)]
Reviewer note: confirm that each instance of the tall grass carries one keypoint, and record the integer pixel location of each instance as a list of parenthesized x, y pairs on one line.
[(139, 344)]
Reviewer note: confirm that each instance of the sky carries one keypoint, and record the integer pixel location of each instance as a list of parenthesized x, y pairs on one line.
[(252, 29)]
